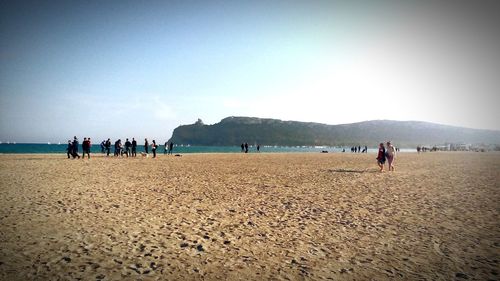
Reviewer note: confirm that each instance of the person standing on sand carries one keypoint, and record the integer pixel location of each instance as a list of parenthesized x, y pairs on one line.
[(170, 147), (108, 146), (127, 147), (117, 147), (89, 145), (391, 155), (246, 147), (134, 147), (69, 149), (146, 145), (165, 148), (103, 146), (153, 148), (242, 147), (74, 148), (381, 156), (84, 147)]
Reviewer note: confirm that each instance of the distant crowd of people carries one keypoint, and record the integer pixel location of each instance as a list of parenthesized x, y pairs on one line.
[(244, 147), (357, 149), (424, 149), (129, 148), (386, 153)]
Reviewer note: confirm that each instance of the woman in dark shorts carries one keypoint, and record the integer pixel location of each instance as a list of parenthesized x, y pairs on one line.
[(381, 156)]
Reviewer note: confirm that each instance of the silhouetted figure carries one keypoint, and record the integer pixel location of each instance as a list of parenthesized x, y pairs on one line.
[(153, 148), (258, 148), (134, 147), (74, 146), (246, 147), (69, 149), (355, 149), (103, 146), (343, 150), (170, 147), (418, 149), (366, 149), (108, 146), (84, 147), (242, 147), (128, 144), (165, 148), (88, 146), (359, 149), (118, 145), (146, 145)]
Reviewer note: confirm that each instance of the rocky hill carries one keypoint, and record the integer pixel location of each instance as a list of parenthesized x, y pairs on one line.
[(235, 130)]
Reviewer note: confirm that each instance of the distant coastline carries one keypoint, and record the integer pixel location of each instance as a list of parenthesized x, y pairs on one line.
[(274, 132)]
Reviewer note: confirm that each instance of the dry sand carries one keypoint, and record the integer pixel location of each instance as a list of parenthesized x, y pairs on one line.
[(250, 217)]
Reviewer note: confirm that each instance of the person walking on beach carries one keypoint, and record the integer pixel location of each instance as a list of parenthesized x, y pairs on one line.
[(88, 146), (84, 147), (127, 147), (118, 144), (146, 146), (242, 147), (246, 147), (153, 148), (108, 146), (170, 147), (258, 148), (134, 147), (381, 156), (391, 155), (74, 148), (69, 149), (103, 146), (165, 148)]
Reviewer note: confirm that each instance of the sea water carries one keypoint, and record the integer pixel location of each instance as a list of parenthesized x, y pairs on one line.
[(61, 148)]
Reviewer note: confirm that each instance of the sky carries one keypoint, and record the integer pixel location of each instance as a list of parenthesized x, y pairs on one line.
[(141, 68)]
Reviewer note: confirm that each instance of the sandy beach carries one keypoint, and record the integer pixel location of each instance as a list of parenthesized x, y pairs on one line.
[(250, 217)]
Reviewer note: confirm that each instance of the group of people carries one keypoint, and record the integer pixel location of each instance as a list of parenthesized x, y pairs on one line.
[(388, 153), (244, 147), (357, 149), (422, 149), (129, 148), (72, 149)]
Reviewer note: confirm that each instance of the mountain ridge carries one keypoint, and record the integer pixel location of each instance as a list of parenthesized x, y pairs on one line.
[(234, 130)]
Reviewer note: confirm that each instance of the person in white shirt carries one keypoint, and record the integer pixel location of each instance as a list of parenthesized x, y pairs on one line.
[(391, 155)]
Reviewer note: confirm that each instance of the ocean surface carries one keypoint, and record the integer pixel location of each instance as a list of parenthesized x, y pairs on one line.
[(61, 148)]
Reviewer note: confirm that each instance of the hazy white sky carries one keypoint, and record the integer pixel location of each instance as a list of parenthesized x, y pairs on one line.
[(126, 69)]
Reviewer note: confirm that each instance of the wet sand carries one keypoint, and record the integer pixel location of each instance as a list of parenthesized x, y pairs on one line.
[(250, 217)]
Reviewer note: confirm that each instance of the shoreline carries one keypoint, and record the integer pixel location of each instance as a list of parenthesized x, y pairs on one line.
[(100, 155)]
